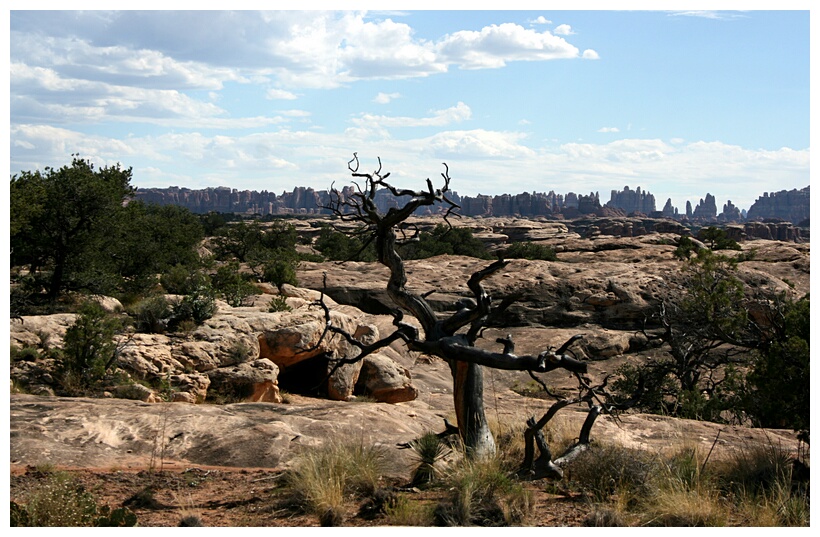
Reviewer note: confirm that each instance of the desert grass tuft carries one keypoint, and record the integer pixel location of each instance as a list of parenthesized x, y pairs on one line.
[(483, 493), (324, 477)]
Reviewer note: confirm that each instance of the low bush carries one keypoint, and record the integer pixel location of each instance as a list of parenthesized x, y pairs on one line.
[(530, 250), (62, 502), (151, 315)]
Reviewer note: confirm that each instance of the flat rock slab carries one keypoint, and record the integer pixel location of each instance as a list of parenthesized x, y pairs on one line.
[(119, 433)]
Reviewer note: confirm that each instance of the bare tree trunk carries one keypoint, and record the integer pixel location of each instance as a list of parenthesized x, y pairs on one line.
[(468, 394)]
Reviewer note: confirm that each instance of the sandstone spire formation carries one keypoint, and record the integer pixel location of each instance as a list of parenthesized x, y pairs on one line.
[(791, 206)]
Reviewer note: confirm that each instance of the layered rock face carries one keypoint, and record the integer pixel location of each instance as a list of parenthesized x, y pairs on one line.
[(791, 205), (633, 201), (240, 354)]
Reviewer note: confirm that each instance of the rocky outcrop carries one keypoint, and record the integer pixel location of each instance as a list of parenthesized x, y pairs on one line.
[(772, 231), (633, 201), (706, 209), (790, 205), (239, 354)]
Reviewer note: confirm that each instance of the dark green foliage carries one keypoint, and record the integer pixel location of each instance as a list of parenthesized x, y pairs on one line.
[(59, 216), (278, 303), (530, 250), (338, 246), (712, 339), (147, 240), (445, 240), (777, 393), (685, 247), (77, 229), (89, 347), (151, 315), (25, 354), (717, 239), (280, 272), (198, 306), (182, 280), (232, 285)]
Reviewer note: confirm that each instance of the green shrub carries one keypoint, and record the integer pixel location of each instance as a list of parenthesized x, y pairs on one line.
[(182, 280), (280, 272), (199, 306), (445, 240), (24, 354), (62, 502), (428, 450), (151, 314), (279, 303), (530, 250), (88, 348), (232, 285)]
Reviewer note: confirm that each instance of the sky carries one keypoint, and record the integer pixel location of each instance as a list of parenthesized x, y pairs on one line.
[(678, 103)]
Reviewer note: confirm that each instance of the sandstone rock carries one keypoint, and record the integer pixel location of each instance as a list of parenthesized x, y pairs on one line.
[(107, 303), (385, 381), (342, 383), (135, 391), (51, 328), (254, 381)]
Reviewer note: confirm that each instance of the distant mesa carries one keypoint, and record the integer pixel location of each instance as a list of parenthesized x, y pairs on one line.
[(788, 206)]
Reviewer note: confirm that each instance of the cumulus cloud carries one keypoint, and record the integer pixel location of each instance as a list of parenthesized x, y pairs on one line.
[(438, 118), (493, 46), (280, 94), (590, 54), (541, 20), (609, 129), (384, 98), (478, 143), (563, 29)]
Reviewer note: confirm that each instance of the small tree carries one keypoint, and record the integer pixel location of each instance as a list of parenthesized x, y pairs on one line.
[(89, 349), (777, 389), (58, 216)]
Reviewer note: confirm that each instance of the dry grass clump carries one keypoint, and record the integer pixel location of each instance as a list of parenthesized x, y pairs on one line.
[(684, 488), (761, 482), (406, 512), (483, 493), (613, 473), (323, 478)]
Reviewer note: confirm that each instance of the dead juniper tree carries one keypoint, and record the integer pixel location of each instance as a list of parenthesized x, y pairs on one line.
[(450, 337)]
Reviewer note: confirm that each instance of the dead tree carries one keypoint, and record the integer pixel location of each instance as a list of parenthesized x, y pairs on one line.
[(451, 337)]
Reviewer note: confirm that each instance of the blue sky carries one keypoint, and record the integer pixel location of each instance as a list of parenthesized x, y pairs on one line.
[(679, 103)]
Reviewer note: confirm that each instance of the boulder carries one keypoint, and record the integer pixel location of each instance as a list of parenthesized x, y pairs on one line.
[(385, 381), (254, 381)]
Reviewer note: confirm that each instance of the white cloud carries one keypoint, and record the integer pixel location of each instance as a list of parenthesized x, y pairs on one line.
[(707, 14), (384, 98), (609, 129), (495, 45), (438, 118), (478, 143), (563, 29), (590, 54), (275, 93), (541, 20)]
